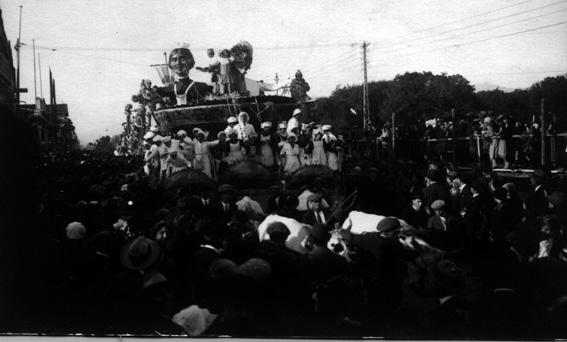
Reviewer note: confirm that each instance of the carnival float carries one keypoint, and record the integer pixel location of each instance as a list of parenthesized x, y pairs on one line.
[(181, 104)]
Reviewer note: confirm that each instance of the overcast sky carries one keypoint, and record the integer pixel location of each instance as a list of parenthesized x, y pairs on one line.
[(104, 48)]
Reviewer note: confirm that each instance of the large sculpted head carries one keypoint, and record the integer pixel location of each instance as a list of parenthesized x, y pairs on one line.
[(181, 61)]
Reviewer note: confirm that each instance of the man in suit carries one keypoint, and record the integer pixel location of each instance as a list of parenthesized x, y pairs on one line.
[(315, 212), (537, 203), (463, 194), (227, 205), (205, 205), (434, 189)]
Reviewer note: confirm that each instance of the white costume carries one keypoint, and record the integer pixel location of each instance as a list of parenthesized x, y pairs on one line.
[(244, 131), (235, 152), (266, 153), (291, 154), (203, 159), (318, 157)]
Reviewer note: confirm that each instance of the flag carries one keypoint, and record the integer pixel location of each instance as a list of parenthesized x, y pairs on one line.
[(165, 75)]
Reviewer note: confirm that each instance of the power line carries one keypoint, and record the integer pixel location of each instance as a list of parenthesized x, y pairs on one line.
[(490, 28), (468, 26), (483, 40), (130, 49)]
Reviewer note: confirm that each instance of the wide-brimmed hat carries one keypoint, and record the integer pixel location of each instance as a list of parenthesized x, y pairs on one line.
[(243, 114), (282, 124), (149, 135), (231, 119), (181, 132), (256, 268), (266, 124), (139, 253), (326, 127), (296, 111)]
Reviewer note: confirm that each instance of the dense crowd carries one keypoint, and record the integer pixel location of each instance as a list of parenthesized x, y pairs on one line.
[(396, 250), (289, 146)]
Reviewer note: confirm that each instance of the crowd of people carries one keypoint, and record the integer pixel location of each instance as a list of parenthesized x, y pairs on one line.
[(290, 146), (506, 142), (395, 250)]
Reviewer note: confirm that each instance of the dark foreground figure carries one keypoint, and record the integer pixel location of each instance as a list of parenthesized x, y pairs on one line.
[(104, 251)]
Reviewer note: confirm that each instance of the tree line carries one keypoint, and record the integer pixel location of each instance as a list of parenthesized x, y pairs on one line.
[(419, 96)]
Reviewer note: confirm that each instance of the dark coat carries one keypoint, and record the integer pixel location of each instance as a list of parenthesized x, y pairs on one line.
[(324, 264), (537, 203), (436, 191), (416, 219)]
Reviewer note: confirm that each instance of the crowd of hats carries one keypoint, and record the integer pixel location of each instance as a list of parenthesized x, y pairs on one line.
[(130, 257)]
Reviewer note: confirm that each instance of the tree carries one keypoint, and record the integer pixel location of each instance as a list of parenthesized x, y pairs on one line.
[(104, 145)]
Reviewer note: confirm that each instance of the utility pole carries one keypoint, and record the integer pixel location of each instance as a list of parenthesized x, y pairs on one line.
[(543, 129), (18, 46), (34, 73), (365, 109), (40, 82)]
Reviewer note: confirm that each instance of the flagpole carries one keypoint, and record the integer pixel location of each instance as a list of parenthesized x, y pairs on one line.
[(167, 68), (34, 72)]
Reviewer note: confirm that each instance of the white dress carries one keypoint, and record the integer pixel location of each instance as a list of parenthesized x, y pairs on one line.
[(266, 153), (291, 155), (235, 153), (318, 157), (203, 159)]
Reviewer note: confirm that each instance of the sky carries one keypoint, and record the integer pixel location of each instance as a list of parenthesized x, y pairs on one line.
[(100, 50)]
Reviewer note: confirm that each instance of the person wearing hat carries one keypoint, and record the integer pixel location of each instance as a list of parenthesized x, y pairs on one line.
[(462, 192), (434, 189), (244, 129), (267, 145), (388, 257), (290, 154), (331, 146), (318, 156), (323, 263), (315, 213), (184, 91), (231, 121), (236, 149), (294, 122), (140, 254), (415, 215), (203, 158), (537, 202), (151, 155), (227, 205), (280, 137)]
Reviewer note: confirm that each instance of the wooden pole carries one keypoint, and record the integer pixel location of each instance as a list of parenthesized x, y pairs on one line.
[(34, 72), (543, 135), (40, 80), (18, 46)]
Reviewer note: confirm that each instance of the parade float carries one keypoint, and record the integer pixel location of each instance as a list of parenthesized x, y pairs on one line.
[(181, 103)]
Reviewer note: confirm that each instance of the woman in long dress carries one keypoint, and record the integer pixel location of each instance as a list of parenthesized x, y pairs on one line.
[(290, 152), (329, 141), (266, 151), (318, 157)]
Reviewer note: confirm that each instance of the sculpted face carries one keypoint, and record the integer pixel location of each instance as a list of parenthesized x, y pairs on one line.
[(180, 63)]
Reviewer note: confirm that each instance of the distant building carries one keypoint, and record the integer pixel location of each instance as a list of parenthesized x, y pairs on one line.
[(7, 71)]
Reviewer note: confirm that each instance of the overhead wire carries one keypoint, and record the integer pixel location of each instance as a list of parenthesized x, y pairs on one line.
[(402, 44), (486, 29)]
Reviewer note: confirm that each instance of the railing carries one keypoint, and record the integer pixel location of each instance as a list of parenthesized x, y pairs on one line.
[(521, 149)]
